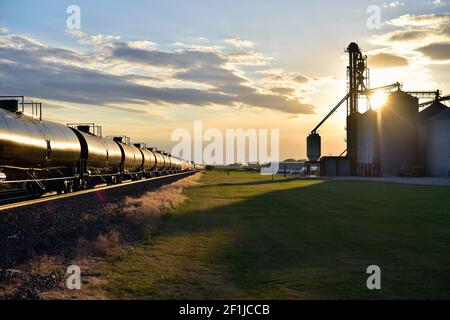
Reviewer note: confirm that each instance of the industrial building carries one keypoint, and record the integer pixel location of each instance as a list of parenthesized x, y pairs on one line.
[(403, 138)]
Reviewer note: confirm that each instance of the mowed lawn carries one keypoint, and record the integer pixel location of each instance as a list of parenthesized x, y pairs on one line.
[(244, 236)]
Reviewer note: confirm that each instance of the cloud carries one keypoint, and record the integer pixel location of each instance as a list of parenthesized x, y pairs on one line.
[(416, 30), (281, 103), (197, 78), (143, 44), (393, 4), (407, 35), (428, 34), (278, 78), (437, 3), (97, 40), (249, 58), (426, 20), (386, 60), (300, 79), (212, 75), (283, 91), (239, 43), (436, 51), (179, 59)]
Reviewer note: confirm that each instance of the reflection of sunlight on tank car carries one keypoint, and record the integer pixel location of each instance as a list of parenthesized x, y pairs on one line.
[(45, 156)]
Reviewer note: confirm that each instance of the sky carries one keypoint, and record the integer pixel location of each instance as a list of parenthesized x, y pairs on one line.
[(146, 68)]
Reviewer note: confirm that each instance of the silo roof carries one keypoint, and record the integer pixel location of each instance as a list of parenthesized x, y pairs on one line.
[(434, 109), (401, 93), (403, 96), (442, 115)]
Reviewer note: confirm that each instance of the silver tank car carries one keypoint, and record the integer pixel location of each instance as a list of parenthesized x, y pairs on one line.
[(27, 144), (177, 163), (184, 165), (102, 155), (167, 163), (173, 163), (149, 160), (132, 158), (187, 165), (159, 160)]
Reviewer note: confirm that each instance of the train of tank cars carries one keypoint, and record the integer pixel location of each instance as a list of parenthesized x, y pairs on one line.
[(43, 156)]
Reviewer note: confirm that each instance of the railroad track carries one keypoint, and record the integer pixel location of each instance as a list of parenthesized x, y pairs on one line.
[(12, 199), (12, 196)]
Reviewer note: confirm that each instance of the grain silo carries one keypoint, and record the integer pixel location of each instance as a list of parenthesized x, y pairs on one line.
[(313, 146), (438, 145), (399, 135), (368, 144), (424, 120)]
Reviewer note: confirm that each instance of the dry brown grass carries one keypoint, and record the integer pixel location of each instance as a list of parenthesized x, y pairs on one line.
[(143, 213), (43, 264), (136, 217), (107, 244), (82, 249)]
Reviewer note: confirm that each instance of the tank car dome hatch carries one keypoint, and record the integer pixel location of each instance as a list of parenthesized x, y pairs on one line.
[(84, 128), (118, 139), (11, 105)]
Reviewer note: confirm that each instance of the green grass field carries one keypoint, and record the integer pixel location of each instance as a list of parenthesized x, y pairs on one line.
[(244, 236)]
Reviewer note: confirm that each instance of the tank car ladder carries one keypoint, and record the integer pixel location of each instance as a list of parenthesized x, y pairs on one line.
[(38, 182)]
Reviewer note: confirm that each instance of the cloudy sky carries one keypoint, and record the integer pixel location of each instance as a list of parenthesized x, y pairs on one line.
[(145, 68)]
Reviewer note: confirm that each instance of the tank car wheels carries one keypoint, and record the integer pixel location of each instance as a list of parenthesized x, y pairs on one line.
[(83, 184), (114, 180), (68, 186)]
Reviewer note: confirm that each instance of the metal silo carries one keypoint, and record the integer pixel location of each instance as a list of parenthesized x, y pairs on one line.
[(368, 146), (399, 135), (438, 145), (313, 147), (424, 120)]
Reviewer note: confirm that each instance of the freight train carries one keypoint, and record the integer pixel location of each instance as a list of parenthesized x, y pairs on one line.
[(44, 156)]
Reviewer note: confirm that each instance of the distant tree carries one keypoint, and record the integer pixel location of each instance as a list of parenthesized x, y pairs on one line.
[(289, 160)]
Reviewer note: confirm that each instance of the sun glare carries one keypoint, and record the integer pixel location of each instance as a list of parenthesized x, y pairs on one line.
[(378, 99)]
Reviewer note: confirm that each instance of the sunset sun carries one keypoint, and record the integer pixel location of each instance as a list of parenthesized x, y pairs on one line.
[(378, 99)]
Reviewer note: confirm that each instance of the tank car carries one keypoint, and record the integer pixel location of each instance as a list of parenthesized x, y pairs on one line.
[(34, 149), (176, 164), (160, 161), (184, 165), (100, 155), (132, 158), (149, 164), (167, 162)]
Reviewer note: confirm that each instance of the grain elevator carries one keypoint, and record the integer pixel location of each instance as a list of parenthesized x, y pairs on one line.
[(403, 137)]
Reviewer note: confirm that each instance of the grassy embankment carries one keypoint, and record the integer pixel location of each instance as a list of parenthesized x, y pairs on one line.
[(243, 236)]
